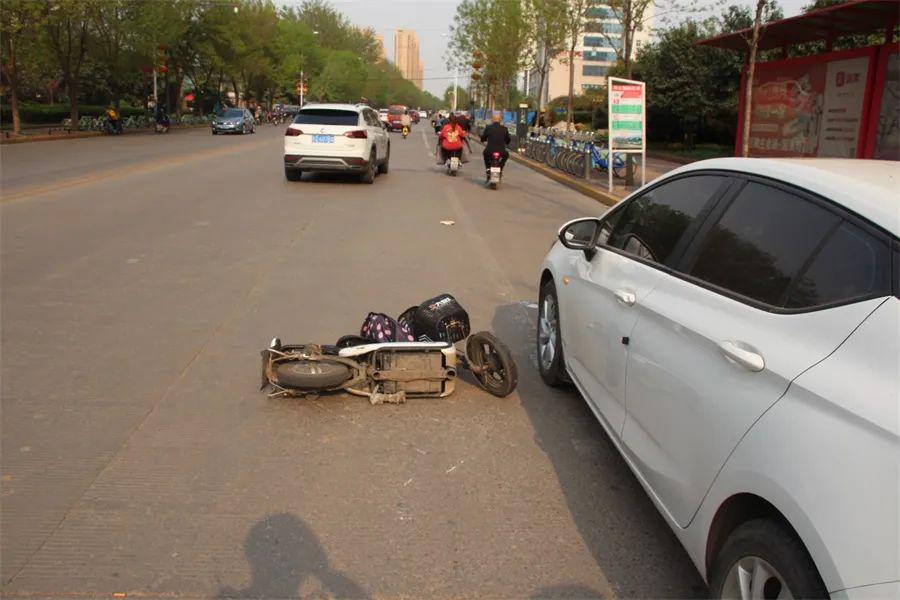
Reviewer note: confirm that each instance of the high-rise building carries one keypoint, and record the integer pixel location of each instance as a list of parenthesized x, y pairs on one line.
[(594, 55), (406, 55), (379, 39)]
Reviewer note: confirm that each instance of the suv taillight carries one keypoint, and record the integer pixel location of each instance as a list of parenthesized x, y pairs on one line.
[(292, 132), (359, 134)]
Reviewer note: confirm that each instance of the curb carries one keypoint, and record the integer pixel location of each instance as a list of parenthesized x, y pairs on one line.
[(82, 134), (587, 190)]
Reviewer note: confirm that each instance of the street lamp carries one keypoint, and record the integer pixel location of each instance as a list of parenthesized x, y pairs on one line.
[(455, 78), (302, 81)]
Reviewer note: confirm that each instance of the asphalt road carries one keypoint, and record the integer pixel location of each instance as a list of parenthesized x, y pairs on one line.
[(142, 275)]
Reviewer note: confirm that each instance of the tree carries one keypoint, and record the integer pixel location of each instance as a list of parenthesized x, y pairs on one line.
[(574, 26), (495, 31), (342, 78), (546, 23), (68, 31), (462, 96), (751, 69), (19, 22)]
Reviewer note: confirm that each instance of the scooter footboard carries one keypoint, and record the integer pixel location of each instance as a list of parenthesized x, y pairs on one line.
[(416, 371)]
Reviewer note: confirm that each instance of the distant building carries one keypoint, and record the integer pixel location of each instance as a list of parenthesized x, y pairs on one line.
[(406, 56), (380, 40), (594, 55)]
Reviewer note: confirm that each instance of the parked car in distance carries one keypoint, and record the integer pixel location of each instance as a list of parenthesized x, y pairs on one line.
[(423, 114), (336, 137), (735, 328), (234, 120)]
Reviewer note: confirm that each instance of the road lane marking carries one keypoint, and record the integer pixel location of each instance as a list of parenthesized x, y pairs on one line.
[(121, 172)]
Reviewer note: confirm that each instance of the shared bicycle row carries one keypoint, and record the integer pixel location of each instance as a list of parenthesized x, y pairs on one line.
[(579, 154)]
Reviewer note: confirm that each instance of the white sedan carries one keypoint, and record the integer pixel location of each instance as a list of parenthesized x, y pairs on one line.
[(735, 328)]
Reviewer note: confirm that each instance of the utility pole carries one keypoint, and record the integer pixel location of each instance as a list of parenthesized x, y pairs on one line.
[(455, 84), (301, 88)]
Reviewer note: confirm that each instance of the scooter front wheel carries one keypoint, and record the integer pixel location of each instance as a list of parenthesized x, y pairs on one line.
[(493, 363), (311, 374)]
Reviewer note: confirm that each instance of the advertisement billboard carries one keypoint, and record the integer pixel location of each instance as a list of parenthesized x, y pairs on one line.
[(884, 123), (812, 106)]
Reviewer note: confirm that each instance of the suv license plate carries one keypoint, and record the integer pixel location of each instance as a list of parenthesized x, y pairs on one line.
[(495, 170), (323, 139)]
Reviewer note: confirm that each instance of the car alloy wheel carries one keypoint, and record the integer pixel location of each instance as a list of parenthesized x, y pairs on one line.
[(753, 578), (548, 331)]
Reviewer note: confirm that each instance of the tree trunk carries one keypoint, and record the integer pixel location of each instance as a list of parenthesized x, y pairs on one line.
[(570, 112), (179, 85), (748, 90), (12, 76), (72, 90)]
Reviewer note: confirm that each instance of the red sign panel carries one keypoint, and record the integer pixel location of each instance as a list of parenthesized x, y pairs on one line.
[(812, 106)]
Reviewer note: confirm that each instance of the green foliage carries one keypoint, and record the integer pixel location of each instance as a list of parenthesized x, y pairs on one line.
[(98, 51), (497, 31), (462, 97)]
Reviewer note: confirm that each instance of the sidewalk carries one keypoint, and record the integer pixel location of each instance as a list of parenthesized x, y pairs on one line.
[(597, 187)]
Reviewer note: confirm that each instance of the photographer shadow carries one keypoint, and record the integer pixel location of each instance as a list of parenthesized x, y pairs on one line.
[(284, 553)]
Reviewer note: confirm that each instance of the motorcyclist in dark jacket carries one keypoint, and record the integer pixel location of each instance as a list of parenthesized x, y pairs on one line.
[(495, 137)]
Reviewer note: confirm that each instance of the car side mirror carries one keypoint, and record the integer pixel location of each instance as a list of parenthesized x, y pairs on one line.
[(581, 234)]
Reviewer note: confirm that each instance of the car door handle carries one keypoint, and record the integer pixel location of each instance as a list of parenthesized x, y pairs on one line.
[(752, 361), (625, 297)]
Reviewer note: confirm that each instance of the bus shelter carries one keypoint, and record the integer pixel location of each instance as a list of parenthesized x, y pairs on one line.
[(834, 103)]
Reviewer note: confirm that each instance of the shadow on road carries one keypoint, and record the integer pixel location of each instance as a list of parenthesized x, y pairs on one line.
[(283, 553), (631, 543), (573, 591)]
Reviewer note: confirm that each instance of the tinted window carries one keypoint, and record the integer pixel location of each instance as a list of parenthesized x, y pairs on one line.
[(372, 119), (325, 116), (652, 224), (234, 112), (853, 264), (761, 242)]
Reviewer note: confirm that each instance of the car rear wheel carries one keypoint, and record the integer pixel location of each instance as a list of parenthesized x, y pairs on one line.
[(549, 338), (383, 167), (765, 559), (292, 174), (369, 175)]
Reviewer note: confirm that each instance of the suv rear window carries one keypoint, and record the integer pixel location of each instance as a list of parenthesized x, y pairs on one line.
[(327, 116), (395, 111)]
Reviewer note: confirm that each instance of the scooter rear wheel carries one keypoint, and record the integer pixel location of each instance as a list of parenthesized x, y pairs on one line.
[(497, 371), (311, 374)]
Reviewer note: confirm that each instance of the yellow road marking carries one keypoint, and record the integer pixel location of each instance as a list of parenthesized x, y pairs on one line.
[(121, 172)]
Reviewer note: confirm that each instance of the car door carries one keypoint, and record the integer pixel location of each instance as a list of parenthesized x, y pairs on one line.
[(637, 242), (376, 131), (716, 346)]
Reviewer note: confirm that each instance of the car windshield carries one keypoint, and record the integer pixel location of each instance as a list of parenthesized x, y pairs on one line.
[(234, 112), (325, 116)]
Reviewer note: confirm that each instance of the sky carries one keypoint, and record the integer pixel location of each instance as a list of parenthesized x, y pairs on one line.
[(431, 18)]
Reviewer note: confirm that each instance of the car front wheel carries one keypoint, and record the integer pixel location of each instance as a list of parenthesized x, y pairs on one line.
[(549, 337), (765, 559)]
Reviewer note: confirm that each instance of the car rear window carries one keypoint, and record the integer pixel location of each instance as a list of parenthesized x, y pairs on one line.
[(395, 111), (326, 116)]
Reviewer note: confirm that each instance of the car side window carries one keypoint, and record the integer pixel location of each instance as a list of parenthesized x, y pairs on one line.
[(652, 224), (761, 242), (371, 119), (852, 265)]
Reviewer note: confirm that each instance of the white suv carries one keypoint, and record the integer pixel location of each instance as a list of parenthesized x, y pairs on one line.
[(735, 328), (336, 137)]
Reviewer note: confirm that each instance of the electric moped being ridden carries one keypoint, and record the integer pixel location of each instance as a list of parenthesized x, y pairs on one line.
[(405, 132), (452, 160), (392, 371), (495, 172)]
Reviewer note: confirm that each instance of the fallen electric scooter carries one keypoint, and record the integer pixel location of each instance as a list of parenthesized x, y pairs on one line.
[(392, 371)]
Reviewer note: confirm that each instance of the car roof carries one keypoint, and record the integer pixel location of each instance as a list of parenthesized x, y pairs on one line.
[(870, 188), (334, 106)]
